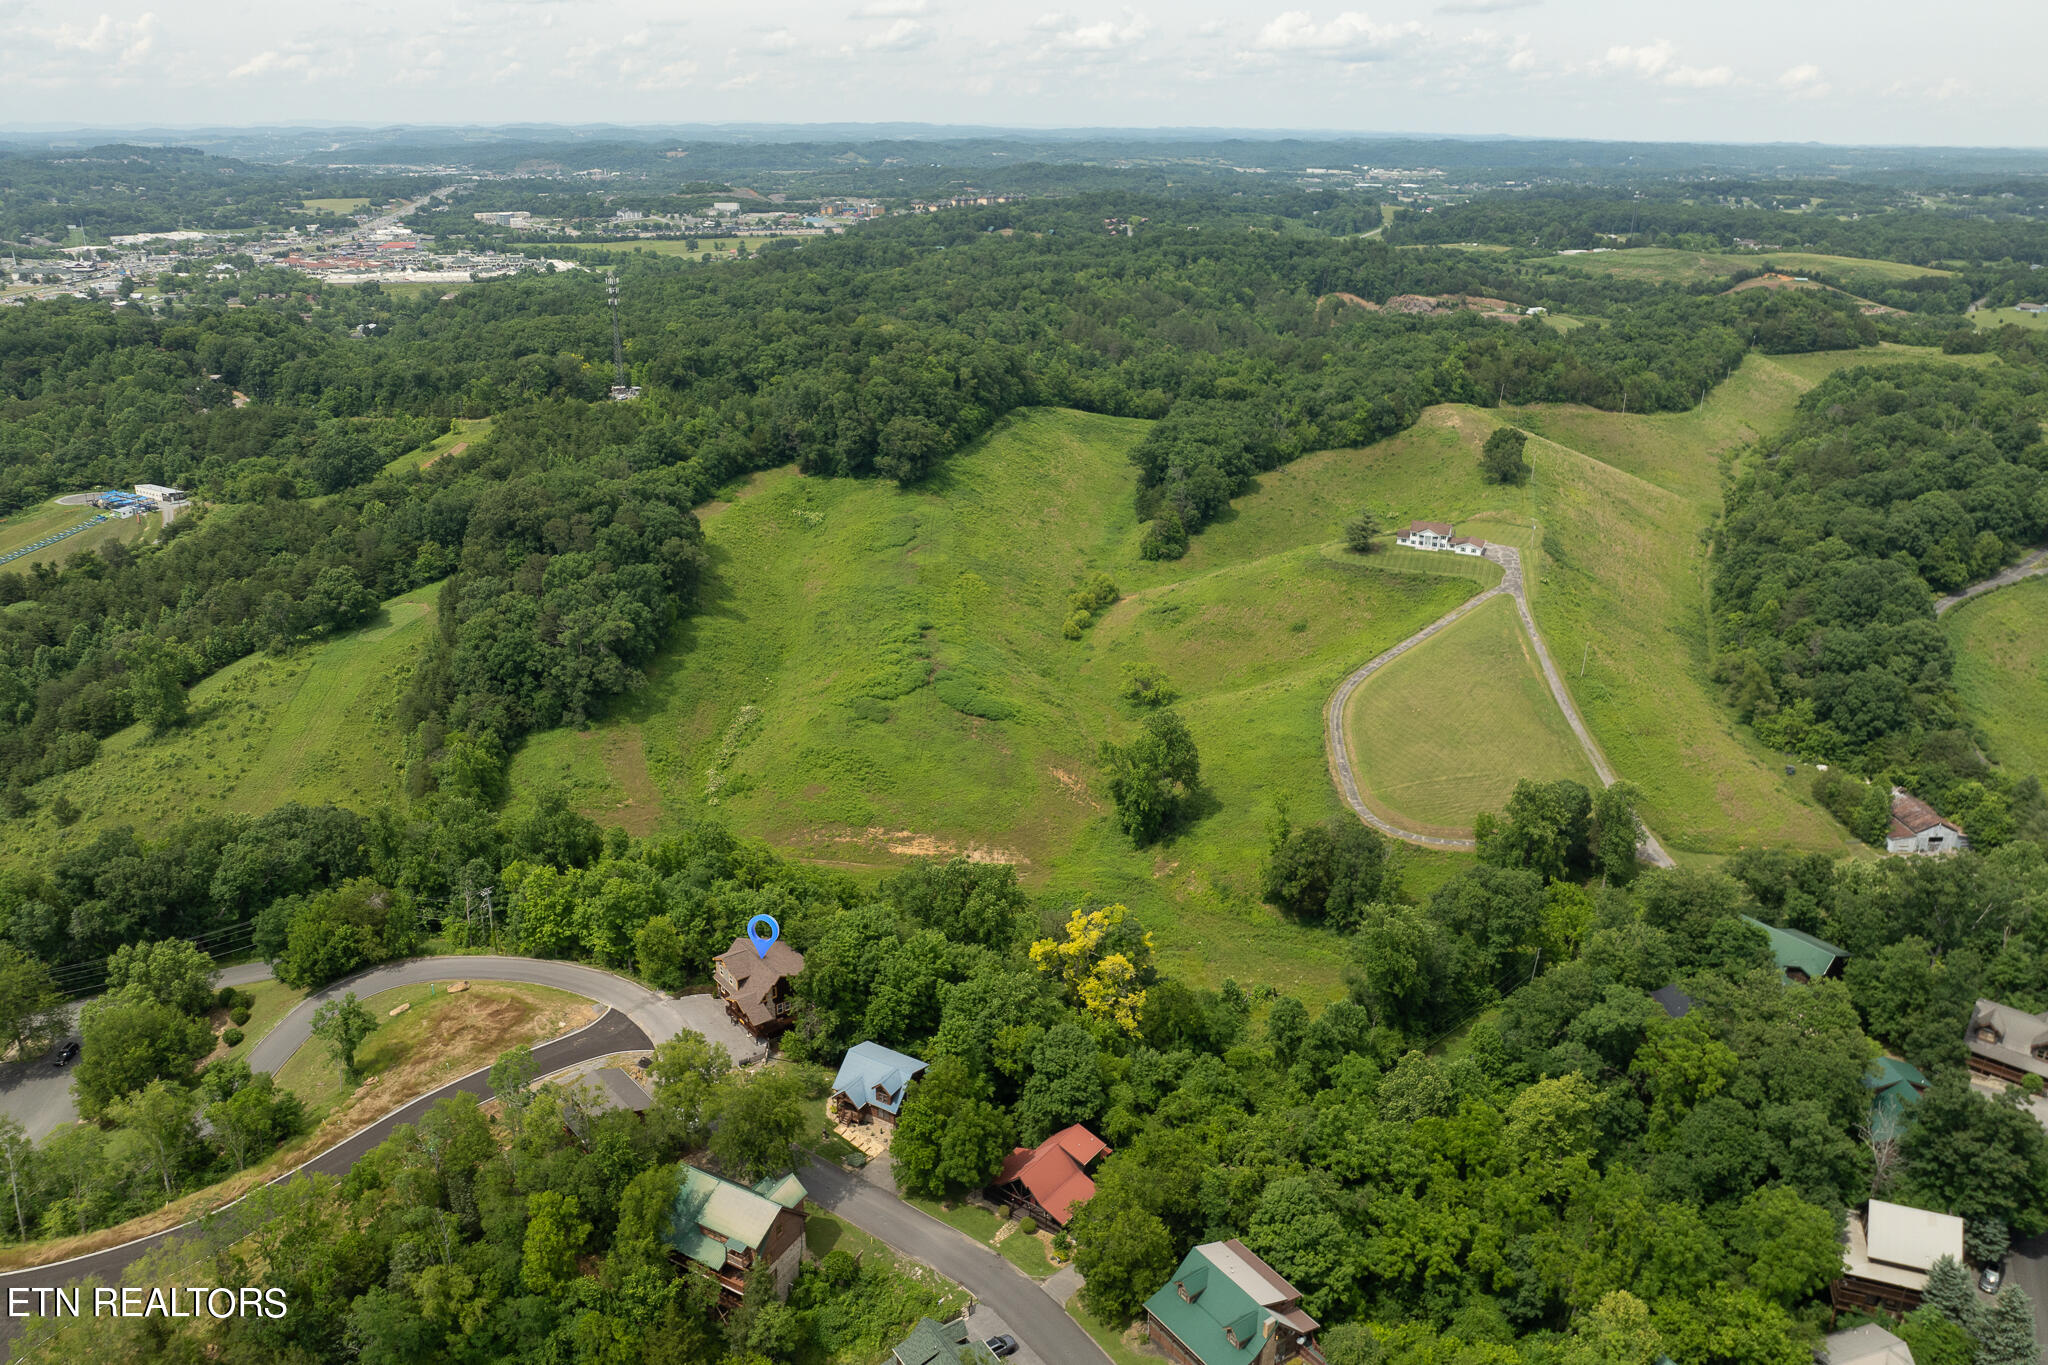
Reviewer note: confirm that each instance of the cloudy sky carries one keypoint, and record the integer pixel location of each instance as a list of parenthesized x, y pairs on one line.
[(1737, 70)]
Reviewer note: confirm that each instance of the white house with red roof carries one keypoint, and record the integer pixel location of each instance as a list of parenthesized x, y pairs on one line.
[(1439, 535), (1051, 1180)]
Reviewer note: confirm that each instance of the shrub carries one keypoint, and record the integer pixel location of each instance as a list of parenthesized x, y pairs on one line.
[(232, 1037), (1500, 461), (238, 1015), (1028, 1226), (244, 1000), (224, 998)]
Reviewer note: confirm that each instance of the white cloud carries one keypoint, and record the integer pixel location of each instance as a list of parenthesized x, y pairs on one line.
[(1522, 60), (901, 36), (889, 9), (740, 82), (1483, 6), (123, 41), (1106, 35), (1350, 37), (1804, 80), (1658, 61)]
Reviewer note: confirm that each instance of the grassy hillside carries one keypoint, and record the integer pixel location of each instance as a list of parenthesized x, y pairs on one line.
[(880, 673), (2001, 645), (1444, 732), (314, 726), (467, 430), (32, 524), (1671, 265)]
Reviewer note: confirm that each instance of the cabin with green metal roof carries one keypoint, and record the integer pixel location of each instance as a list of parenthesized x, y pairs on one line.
[(722, 1230), (1894, 1085), (1801, 957), (941, 1343), (1225, 1306)]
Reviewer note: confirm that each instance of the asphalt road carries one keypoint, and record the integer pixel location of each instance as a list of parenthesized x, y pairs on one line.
[(612, 1032), (1026, 1311), (2035, 563), (2026, 1267), (39, 1095), (659, 1017)]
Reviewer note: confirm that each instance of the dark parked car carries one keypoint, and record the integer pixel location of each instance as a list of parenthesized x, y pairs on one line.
[(1991, 1278), (64, 1055), (1002, 1345)]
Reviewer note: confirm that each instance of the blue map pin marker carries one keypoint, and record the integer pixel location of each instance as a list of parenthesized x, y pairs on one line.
[(763, 930)]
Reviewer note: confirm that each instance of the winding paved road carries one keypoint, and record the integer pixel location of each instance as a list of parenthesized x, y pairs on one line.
[(1338, 746), (611, 1032), (2035, 563), (1032, 1314)]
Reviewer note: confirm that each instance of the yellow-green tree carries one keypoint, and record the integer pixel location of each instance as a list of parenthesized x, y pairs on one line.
[(1104, 964)]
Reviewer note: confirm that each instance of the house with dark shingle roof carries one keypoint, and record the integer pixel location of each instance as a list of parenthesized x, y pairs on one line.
[(1916, 828), (2007, 1043), (755, 986), (1800, 956), (1051, 1180), (1225, 1306), (722, 1230)]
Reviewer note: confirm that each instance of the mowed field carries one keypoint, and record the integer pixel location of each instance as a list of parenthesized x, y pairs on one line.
[(1444, 732), (468, 430), (313, 726), (26, 527), (2001, 675), (1994, 318), (879, 673), (1671, 265)]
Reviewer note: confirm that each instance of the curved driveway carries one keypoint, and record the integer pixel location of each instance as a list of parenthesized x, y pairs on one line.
[(2035, 563), (611, 1032), (658, 1016), (1338, 745)]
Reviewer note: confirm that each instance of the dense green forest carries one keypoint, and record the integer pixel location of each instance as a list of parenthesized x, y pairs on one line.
[(875, 354), (1889, 486), (1580, 1158), (1992, 225)]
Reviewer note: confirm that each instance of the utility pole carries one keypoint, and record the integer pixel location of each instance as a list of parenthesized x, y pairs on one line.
[(490, 920)]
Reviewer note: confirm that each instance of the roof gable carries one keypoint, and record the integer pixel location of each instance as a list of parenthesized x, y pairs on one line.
[(1222, 1302), (720, 1208), (1911, 815), (870, 1067), (1797, 951)]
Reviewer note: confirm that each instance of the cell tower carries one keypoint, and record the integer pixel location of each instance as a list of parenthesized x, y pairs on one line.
[(621, 390)]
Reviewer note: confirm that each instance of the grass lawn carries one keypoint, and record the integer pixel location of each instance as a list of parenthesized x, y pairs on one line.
[(2001, 673), (1028, 1255), (440, 1038), (314, 726), (1444, 732), (825, 1141), (977, 1223), (1108, 1338), (2008, 317), (26, 527), (335, 205), (1670, 265), (468, 431), (274, 1000), (878, 673)]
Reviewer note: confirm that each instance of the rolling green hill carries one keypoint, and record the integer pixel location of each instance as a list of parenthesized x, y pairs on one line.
[(312, 726), (1443, 733), (2001, 644), (879, 673)]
